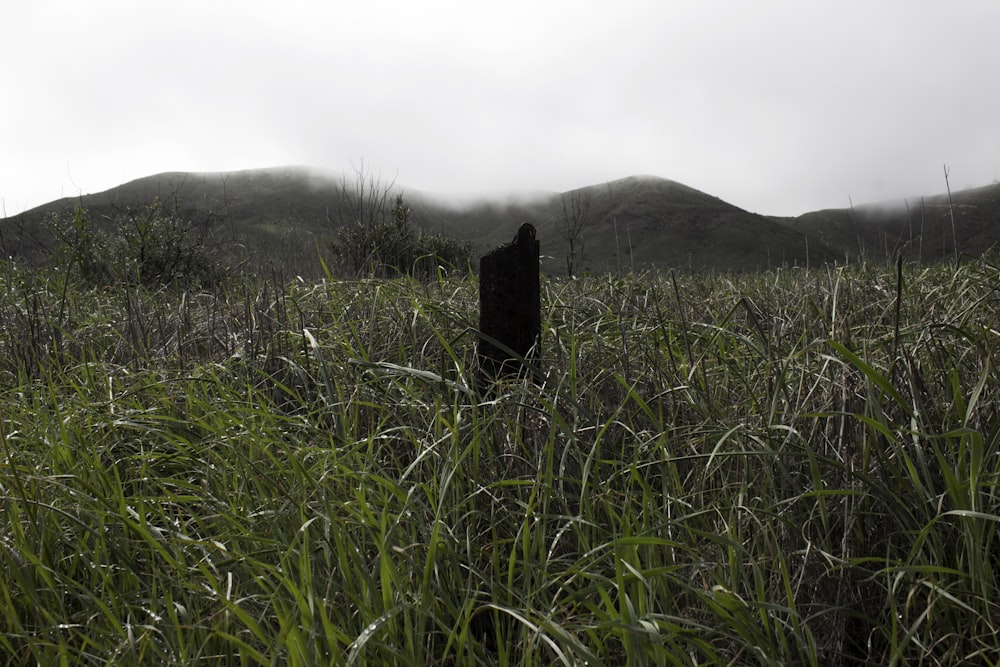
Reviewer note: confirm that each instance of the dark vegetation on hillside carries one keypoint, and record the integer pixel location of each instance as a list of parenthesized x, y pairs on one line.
[(920, 228), (287, 220), (139, 237)]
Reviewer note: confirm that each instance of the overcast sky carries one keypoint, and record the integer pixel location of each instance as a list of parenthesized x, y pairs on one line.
[(779, 107)]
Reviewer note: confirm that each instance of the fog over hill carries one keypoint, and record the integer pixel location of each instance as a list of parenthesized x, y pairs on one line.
[(287, 216)]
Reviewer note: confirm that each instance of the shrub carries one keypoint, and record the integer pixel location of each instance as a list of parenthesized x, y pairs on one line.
[(379, 247), (151, 246)]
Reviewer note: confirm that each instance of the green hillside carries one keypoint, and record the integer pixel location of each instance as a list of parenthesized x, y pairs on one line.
[(287, 217), (919, 227)]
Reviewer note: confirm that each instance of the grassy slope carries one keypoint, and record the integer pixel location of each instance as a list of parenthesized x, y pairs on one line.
[(281, 215), (920, 228), (779, 468), (672, 225), (278, 214)]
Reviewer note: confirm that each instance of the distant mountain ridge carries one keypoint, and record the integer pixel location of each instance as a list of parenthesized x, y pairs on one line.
[(287, 216), (920, 228)]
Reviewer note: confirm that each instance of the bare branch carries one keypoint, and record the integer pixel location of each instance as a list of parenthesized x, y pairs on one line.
[(571, 222)]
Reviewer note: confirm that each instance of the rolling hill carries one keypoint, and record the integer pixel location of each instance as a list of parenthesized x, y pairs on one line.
[(286, 217), (919, 227)]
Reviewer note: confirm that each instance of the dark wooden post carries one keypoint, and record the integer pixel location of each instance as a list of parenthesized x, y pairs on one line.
[(510, 305)]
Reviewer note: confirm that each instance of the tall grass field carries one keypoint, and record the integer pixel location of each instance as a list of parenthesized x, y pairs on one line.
[(789, 467)]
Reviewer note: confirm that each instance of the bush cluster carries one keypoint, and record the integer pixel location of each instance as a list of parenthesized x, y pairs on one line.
[(394, 246), (152, 246)]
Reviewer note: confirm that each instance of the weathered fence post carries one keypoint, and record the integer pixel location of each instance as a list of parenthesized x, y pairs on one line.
[(510, 305)]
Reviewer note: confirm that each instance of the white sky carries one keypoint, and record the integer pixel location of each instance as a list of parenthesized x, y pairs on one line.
[(779, 107)]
